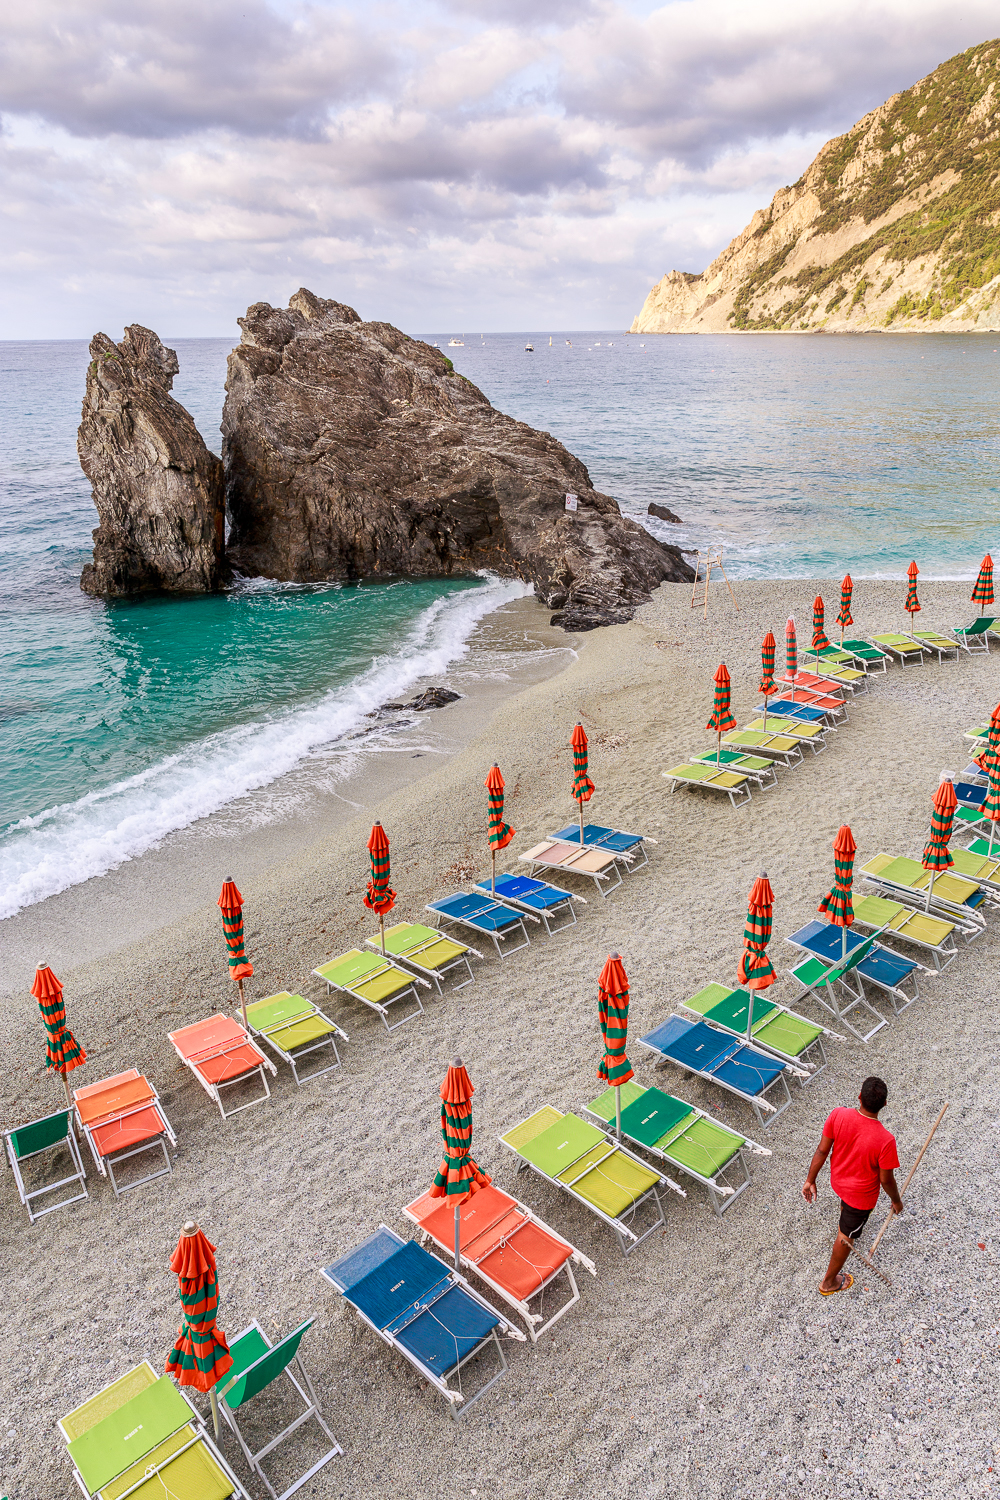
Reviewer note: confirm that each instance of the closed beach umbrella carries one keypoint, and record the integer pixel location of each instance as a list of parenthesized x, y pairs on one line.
[(991, 807), (845, 617), (937, 855), (379, 898), (63, 1052), (500, 834), (458, 1175), (982, 594), (583, 787), (791, 654), (201, 1355), (837, 903), (612, 1009), (231, 905), (756, 970), (722, 718), (767, 670), (912, 605), (819, 640)]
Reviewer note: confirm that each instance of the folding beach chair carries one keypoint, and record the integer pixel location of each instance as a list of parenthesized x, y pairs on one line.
[(974, 638), (826, 982), (49, 1134), (536, 898), (429, 955), (813, 735), (257, 1364), (775, 1028), (598, 865), (886, 970), (733, 784), (122, 1117), (893, 919), (596, 1171), (486, 916), (673, 1131), (758, 768), (969, 811), (942, 645), (902, 646), (427, 1313), (979, 849), (629, 847), (955, 898), (296, 1029), (221, 1055), (509, 1247), (978, 734), (722, 1059), (142, 1438), (376, 981), (785, 749)]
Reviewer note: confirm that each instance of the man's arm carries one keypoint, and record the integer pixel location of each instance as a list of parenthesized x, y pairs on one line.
[(887, 1178), (815, 1167)]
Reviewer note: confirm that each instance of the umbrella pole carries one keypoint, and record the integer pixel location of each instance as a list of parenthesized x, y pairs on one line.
[(381, 930), (765, 713), (493, 875), (243, 1006), (930, 891), (993, 829), (215, 1411), (581, 820), (718, 749), (458, 1236), (618, 1111), (843, 944)]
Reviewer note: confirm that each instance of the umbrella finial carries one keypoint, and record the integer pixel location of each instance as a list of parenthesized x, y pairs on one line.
[(190, 1227), (763, 874), (457, 1062), (615, 956)]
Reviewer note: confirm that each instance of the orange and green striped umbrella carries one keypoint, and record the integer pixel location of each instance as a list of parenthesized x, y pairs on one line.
[(819, 638), (612, 1009), (458, 1175), (500, 833), (230, 904), (200, 1357), (379, 897), (756, 970), (791, 654), (767, 686), (722, 719), (912, 605), (63, 1052), (845, 617), (990, 762), (838, 903), (937, 855), (983, 591), (583, 787)]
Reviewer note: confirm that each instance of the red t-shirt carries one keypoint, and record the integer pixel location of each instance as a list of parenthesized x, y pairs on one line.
[(860, 1148)]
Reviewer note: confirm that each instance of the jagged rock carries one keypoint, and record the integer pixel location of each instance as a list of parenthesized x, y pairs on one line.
[(435, 697), (353, 451), (159, 492), (662, 513)]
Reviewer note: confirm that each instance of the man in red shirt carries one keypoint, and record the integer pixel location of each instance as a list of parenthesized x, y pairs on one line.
[(864, 1155)]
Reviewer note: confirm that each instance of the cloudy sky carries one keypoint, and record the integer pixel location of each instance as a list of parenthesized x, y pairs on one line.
[(449, 165)]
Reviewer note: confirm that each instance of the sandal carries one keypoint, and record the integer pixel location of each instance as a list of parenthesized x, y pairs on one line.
[(844, 1283)]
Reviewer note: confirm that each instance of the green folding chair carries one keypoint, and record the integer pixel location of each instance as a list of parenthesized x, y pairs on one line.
[(26, 1141), (975, 637), (257, 1364)]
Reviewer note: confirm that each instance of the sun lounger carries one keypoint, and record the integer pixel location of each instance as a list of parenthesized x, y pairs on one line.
[(505, 1244), (974, 638), (892, 919), (376, 981), (49, 1134), (757, 767), (803, 733), (488, 917), (598, 865), (972, 864), (827, 982), (905, 647), (978, 735), (536, 898), (867, 656), (673, 1131), (143, 1438), (887, 971), (221, 1055), (831, 676), (942, 645), (733, 784), (722, 1059), (629, 847), (424, 951), (969, 811), (295, 1029), (596, 1171), (801, 710), (257, 1364), (422, 1310), (122, 1117), (809, 685), (953, 897), (832, 708), (792, 1038), (785, 749)]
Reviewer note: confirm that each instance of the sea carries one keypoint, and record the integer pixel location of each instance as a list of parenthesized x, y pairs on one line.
[(122, 723)]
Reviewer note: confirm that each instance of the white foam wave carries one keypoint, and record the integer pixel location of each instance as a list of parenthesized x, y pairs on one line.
[(65, 845)]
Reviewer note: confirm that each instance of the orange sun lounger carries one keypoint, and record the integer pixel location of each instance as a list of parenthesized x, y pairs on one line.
[(122, 1117), (220, 1055), (504, 1243)]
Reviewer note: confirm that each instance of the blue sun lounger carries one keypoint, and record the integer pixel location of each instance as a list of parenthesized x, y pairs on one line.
[(786, 708), (722, 1059), (886, 970), (422, 1310), (970, 804), (536, 898), (484, 915), (629, 845)]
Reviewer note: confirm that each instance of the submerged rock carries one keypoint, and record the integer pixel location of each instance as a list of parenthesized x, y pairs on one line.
[(661, 512), (353, 451), (159, 492)]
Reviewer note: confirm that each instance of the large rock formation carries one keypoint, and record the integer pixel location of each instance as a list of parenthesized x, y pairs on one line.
[(159, 492), (353, 451), (894, 225)]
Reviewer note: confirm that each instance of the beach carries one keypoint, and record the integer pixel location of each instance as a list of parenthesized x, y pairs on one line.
[(705, 1364)]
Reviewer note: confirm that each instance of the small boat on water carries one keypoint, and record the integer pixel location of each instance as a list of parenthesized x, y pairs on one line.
[(456, 344), (529, 348), (570, 343)]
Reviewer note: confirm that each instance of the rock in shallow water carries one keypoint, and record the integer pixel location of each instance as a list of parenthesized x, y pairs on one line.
[(353, 451)]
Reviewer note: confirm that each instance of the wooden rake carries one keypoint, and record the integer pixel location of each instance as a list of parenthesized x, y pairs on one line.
[(869, 1261)]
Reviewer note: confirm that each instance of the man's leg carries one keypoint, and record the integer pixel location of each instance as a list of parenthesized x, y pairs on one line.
[(852, 1221), (841, 1250)]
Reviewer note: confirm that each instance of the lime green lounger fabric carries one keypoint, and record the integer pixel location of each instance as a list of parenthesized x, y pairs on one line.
[(109, 1447), (301, 1023), (581, 1157), (194, 1474), (424, 944), (670, 1125), (84, 1417)]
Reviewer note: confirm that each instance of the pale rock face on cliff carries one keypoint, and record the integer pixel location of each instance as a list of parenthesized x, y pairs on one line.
[(158, 490), (353, 451), (893, 226)]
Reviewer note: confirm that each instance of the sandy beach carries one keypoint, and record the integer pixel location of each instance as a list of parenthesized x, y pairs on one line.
[(706, 1364)]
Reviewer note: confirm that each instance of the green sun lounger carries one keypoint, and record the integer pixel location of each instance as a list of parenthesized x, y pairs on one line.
[(757, 767), (906, 647), (973, 864), (870, 657), (41, 1136), (943, 645), (813, 735), (597, 1172), (707, 1151), (140, 1437), (427, 953), (776, 1029), (978, 734), (955, 898), (375, 981), (733, 785), (892, 918), (295, 1029), (975, 637), (785, 749)]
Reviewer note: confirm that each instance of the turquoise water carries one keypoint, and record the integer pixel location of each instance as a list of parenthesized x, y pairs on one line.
[(121, 723)]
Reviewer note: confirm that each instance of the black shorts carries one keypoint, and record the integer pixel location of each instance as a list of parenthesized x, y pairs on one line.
[(852, 1220)]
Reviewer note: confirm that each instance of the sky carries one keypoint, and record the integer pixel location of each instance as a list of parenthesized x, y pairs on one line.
[(449, 166)]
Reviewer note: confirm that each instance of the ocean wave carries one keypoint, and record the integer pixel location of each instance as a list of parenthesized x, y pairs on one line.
[(65, 845)]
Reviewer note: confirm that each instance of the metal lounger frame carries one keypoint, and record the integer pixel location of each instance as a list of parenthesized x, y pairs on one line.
[(941, 951), (536, 866), (630, 858), (213, 1090), (330, 1040), (897, 996), (754, 1101), (106, 1164), (80, 1175), (382, 1008), (444, 916), (939, 645), (904, 656), (787, 758), (732, 792)]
